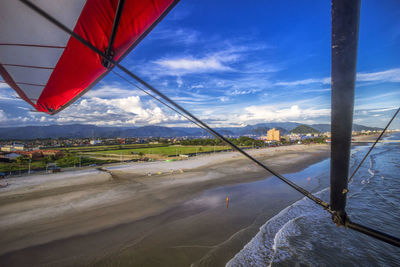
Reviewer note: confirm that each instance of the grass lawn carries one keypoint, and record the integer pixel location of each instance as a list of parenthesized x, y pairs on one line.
[(13, 166), (62, 162), (106, 147), (164, 151)]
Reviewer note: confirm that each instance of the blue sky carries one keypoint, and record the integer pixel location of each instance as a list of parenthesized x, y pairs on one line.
[(234, 64)]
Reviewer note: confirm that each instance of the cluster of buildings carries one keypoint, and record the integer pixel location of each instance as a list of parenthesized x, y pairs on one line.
[(11, 152), (8, 146), (274, 135)]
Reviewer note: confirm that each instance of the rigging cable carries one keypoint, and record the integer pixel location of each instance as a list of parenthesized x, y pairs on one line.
[(307, 194), (373, 146), (368, 231)]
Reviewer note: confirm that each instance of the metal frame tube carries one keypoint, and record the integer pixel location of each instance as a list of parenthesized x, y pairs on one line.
[(374, 233), (117, 18), (345, 24)]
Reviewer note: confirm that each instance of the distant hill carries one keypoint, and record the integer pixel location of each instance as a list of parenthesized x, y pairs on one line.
[(356, 127), (304, 129), (321, 127), (92, 131)]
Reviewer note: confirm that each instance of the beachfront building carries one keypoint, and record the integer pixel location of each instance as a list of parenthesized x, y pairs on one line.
[(294, 137), (10, 148), (274, 135), (95, 142)]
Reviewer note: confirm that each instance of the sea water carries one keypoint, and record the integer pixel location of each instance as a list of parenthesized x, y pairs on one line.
[(303, 234)]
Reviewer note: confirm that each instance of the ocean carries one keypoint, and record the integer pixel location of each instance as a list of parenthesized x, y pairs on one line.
[(303, 234)]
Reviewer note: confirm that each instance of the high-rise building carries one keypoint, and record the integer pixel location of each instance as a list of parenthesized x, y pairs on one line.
[(274, 135)]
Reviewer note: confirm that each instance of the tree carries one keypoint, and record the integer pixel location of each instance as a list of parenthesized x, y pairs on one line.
[(46, 160), (21, 160)]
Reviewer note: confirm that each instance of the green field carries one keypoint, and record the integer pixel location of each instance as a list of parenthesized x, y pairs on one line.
[(101, 155), (164, 151), (107, 147), (7, 167), (72, 161)]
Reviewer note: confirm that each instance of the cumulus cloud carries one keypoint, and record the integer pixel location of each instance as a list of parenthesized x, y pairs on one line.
[(4, 85), (292, 113), (118, 111), (112, 91)]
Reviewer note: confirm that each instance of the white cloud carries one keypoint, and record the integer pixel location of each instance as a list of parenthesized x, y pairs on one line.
[(175, 36), (382, 109), (391, 75), (292, 113), (8, 96), (25, 108), (242, 92), (316, 90), (111, 91), (193, 65), (223, 59), (118, 111), (240, 84), (4, 85), (179, 81), (224, 99), (378, 99), (304, 82), (7, 93), (3, 116), (194, 98)]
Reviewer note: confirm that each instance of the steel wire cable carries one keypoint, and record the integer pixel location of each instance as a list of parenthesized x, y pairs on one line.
[(373, 146), (154, 90)]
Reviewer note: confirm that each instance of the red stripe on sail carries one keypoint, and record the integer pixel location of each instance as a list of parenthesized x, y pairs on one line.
[(79, 68)]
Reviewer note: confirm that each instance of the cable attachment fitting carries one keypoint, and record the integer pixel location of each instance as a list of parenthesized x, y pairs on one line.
[(340, 218), (110, 54)]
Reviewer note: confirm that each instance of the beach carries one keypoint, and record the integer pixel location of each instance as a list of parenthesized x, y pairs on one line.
[(148, 214)]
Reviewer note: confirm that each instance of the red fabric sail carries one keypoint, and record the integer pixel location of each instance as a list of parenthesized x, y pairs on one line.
[(72, 68)]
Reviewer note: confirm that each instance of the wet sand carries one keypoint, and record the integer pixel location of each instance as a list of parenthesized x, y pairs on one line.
[(147, 214), (366, 138)]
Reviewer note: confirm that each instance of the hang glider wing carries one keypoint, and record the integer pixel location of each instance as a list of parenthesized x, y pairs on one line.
[(48, 68)]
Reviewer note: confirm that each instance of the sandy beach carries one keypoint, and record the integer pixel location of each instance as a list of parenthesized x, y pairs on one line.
[(146, 214)]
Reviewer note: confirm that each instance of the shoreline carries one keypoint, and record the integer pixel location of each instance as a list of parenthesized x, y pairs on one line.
[(107, 211)]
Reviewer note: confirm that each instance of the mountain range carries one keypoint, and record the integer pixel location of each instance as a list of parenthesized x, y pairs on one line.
[(92, 131)]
